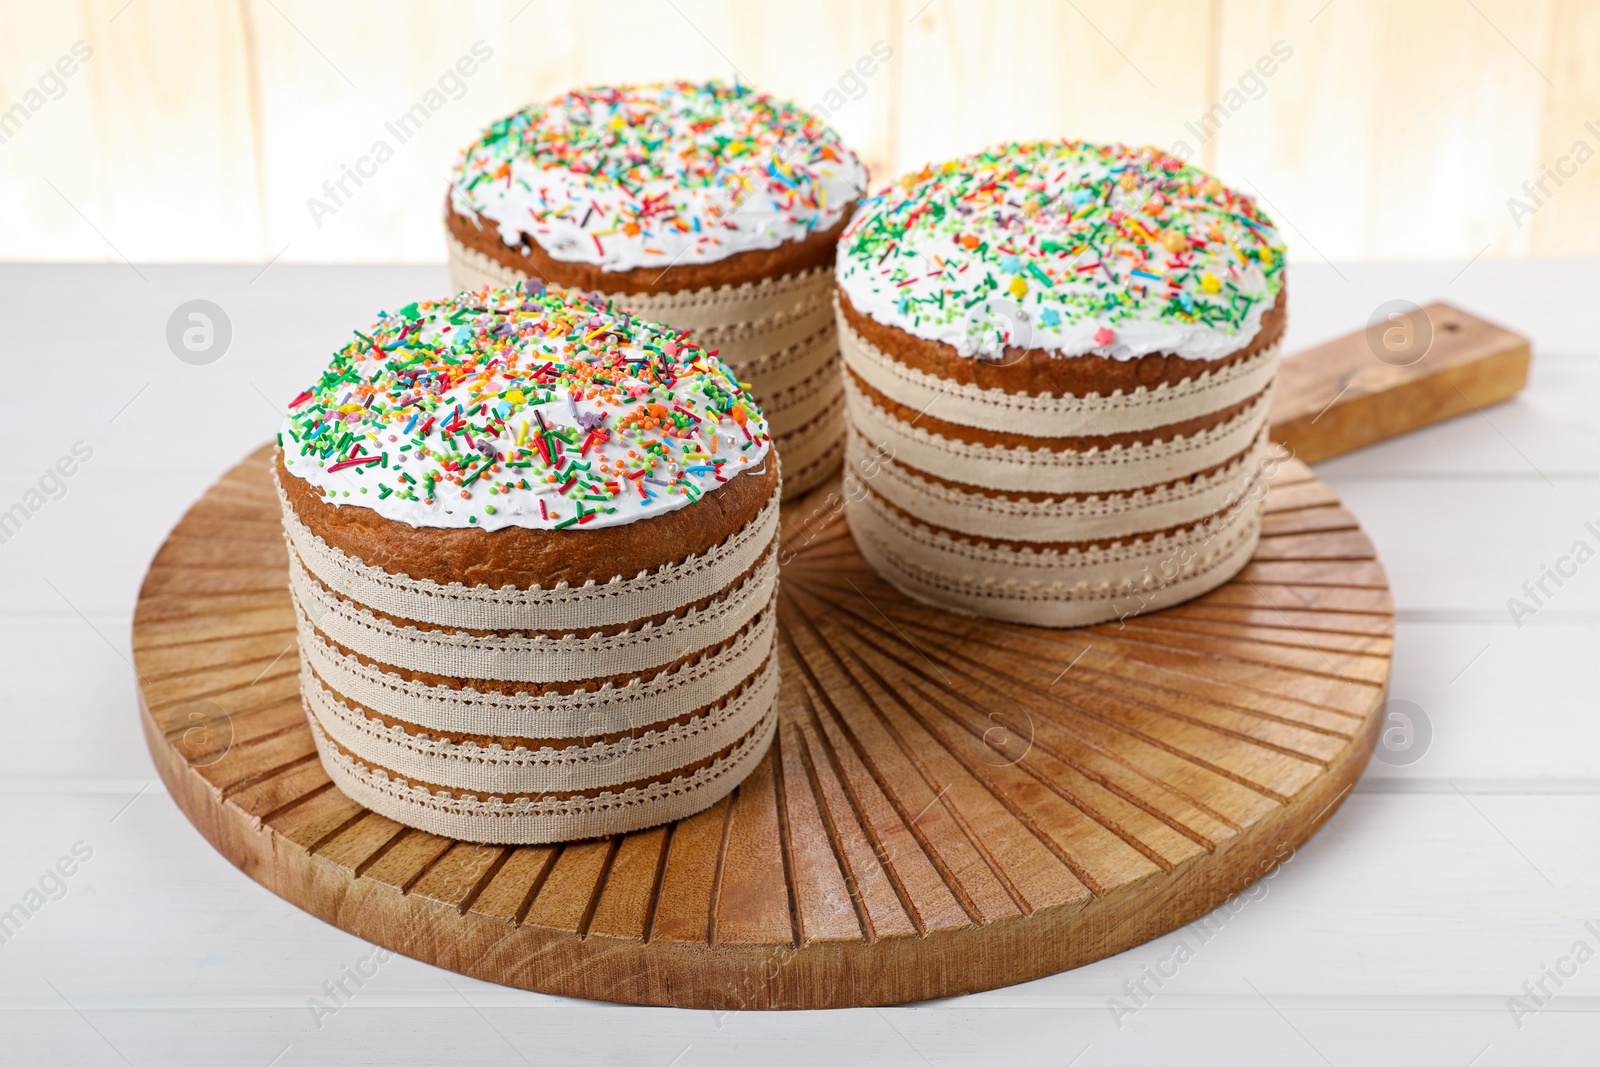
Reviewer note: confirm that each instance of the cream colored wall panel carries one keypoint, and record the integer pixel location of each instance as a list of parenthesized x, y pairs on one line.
[(1566, 211), (812, 59), (362, 110), (1395, 131), (50, 137), (208, 130), (347, 181), (977, 72), (172, 124)]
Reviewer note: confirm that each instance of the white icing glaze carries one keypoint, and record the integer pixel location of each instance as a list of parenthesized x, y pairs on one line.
[(1067, 247), (527, 357), (657, 175)]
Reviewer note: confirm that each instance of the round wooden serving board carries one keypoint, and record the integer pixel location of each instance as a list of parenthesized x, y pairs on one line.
[(950, 805)]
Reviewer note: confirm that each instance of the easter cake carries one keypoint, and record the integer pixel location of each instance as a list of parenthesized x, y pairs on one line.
[(1059, 359), (532, 551), (713, 208)]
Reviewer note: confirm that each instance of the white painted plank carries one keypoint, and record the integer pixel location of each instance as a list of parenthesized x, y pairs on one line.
[(1552, 427), (110, 318), (1196, 1032), (71, 707), (1380, 917), (1419, 144), (1463, 544), (110, 325), (1532, 296), (1519, 707)]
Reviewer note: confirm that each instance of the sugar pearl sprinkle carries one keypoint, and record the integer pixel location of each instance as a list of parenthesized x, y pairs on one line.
[(655, 175), (530, 407), (1069, 247)]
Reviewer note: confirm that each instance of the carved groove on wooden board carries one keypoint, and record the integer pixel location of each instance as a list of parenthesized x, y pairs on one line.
[(950, 804)]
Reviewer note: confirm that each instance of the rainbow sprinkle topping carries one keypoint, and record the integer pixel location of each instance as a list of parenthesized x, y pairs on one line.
[(525, 406), (1066, 246), (640, 175)]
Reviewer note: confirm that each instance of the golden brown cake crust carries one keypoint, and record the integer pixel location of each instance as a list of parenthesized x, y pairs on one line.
[(525, 558), (1038, 372), (759, 264)]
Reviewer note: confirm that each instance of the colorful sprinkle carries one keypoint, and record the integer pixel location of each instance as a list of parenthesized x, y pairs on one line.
[(1046, 243), (675, 172), (542, 398)]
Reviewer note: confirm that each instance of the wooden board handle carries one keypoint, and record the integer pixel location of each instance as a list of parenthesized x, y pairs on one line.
[(1411, 369)]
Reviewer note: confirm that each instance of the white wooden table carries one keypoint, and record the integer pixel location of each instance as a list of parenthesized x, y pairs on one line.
[(1396, 935)]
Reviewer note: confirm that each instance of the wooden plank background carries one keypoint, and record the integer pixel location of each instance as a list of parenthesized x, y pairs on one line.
[(197, 131)]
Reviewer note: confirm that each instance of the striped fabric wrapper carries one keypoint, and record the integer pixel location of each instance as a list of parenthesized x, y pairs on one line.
[(526, 716), (1046, 531)]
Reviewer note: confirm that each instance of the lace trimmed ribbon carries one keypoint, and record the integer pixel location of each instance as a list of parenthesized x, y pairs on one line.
[(1052, 588), (1104, 516), (561, 607), (1166, 519), (600, 758), (1117, 468), (536, 766), (541, 819), (640, 704), (727, 307), (1057, 416), (514, 657)]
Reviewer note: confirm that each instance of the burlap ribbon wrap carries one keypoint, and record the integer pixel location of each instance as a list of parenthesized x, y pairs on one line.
[(523, 716), (1048, 535)]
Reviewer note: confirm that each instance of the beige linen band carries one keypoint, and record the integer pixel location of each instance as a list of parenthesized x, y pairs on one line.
[(1161, 520), (536, 766), (796, 408), (789, 367), (723, 308), (1093, 518), (745, 323), (599, 758), (1119, 468), (814, 450), (537, 820), (602, 708), (742, 323), (513, 657), (1056, 416), (471, 269), (560, 607), (1048, 588)]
